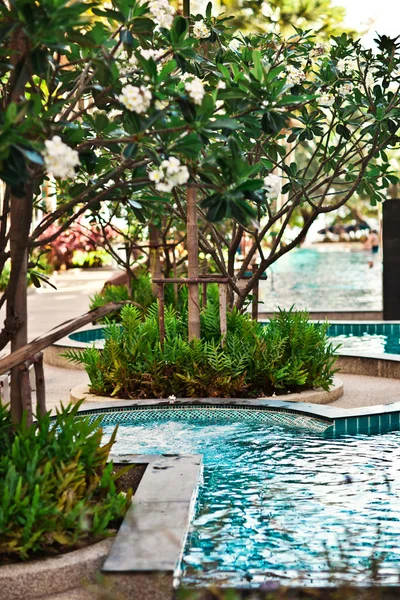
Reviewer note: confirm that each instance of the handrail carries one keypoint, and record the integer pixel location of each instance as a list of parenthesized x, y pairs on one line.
[(29, 350)]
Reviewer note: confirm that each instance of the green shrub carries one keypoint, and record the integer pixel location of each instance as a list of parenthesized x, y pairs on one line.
[(142, 294), (57, 490), (288, 353)]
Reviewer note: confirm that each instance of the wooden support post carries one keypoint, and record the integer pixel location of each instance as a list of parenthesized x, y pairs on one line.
[(204, 295), (175, 272), (40, 385), (254, 304), (193, 264), (223, 297), (161, 313), (26, 394)]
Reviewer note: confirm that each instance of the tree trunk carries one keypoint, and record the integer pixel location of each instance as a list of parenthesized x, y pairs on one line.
[(21, 217), (193, 264)]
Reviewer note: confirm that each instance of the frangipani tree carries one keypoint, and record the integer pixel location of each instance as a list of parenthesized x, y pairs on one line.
[(138, 105)]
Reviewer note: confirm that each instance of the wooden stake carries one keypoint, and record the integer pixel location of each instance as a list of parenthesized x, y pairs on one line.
[(223, 297), (26, 394), (254, 304), (161, 311), (193, 264), (40, 385)]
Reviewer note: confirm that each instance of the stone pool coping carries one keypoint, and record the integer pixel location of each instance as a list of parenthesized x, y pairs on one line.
[(318, 396), (144, 557)]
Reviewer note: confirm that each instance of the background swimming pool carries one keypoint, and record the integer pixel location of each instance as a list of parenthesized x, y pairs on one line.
[(280, 503), (367, 338), (323, 278)]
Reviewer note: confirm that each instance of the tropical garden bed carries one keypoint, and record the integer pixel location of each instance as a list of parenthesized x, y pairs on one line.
[(289, 354)]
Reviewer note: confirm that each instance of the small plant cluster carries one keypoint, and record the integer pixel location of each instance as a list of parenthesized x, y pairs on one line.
[(288, 354), (57, 491), (141, 295), (81, 242)]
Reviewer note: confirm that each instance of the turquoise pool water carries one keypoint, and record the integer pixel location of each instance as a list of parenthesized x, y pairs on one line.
[(279, 503), (323, 278), (367, 338)]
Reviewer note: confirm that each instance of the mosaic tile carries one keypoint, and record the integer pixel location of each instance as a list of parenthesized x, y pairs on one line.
[(207, 413)]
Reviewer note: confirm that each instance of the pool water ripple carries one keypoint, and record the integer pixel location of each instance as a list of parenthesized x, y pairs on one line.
[(282, 504)]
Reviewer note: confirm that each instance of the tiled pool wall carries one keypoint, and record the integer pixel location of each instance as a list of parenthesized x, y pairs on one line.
[(358, 329), (326, 420), (335, 329)]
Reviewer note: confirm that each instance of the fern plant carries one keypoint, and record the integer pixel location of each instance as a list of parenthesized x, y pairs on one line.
[(254, 359)]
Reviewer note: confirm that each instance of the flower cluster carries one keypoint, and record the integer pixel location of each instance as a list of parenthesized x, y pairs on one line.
[(60, 159), (169, 174), (135, 99), (345, 89), (326, 99), (272, 185), (195, 89), (162, 13), (294, 76), (318, 50), (347, 65), (200, 30), (369, 80)]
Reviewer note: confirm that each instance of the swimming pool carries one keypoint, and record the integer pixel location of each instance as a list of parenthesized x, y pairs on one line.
[(279, 503), (356, 337), (323, 279), (366, 338)]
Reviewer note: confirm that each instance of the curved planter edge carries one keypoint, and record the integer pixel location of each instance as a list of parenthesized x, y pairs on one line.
[(318, 396), (51, 576)]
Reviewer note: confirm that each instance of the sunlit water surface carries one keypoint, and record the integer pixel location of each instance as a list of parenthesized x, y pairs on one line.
[(319, 279), (282, 504)]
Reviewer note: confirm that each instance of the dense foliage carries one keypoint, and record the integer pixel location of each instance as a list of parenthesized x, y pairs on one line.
[(57, 490), (141, 295), (288, 353)]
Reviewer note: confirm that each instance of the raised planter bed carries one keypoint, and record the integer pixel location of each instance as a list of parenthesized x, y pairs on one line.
[(318, 396), (140, 561)]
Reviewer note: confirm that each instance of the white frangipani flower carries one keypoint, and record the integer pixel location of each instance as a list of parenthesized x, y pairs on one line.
[(369, 80), (347, 65), (221, 85), (326, 99), (345, 89), (195, 89), (318, 51), (200, 30), (160, 104), (272, 185), (235, 44), (135, 99), (162, 12), (169, 174), (294, 76), (60, 160)]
